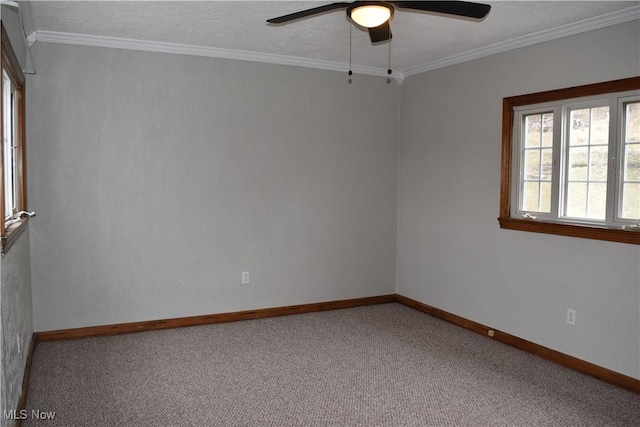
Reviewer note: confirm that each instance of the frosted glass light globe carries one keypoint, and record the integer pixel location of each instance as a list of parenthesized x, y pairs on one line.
[(370, 16)]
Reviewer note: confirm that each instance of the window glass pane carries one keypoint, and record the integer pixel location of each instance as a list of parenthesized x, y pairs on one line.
[(599, 125), (546, 166), (545, 197), (588, 163), (14, 152), (598, 160), (579, 133), (633, 122), (8, 183), (537, 165), (578, 163), (530, 200), (532, 127), (547, 130), (631, 201), (532, 164), (577, 200), (632, 162), (597, 203)]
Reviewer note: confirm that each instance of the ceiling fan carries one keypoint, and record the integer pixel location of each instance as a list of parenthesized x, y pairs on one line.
[(375, 15)]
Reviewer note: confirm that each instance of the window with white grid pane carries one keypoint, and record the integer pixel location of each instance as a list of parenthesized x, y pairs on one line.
[(577, 161), (537, 162), (586, 153)]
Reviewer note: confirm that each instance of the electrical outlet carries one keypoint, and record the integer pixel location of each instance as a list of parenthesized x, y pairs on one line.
[(19, 344), (246, 277), (571, 317)]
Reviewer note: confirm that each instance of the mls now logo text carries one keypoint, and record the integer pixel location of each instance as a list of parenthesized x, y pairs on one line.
[(23, 414)]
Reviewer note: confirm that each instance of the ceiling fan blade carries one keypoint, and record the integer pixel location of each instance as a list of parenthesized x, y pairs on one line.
[(307, 13), (459, 8), (381, 33)]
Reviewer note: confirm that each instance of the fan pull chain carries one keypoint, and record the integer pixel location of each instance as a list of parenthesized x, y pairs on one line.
[(350, 72), (389, 63)]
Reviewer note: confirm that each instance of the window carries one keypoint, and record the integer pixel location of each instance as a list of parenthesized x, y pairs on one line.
[(571, 162), (12, 196), (10, 98)]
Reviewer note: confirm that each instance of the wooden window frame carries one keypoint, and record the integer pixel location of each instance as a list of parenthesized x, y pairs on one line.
[(611, 234), (9, 234)]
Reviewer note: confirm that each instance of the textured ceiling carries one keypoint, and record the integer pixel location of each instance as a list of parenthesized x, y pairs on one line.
[(419, 38)]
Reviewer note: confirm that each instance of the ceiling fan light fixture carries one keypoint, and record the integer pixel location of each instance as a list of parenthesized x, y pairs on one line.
[(370, 14)]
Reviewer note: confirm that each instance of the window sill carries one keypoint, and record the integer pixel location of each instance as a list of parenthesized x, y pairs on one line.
[(12, 233), (609, 234)]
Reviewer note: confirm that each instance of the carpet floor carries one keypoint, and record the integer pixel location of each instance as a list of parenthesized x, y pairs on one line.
[(383, 365)]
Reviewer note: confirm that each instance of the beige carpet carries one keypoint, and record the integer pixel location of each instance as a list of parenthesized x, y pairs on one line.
[(384, 365)]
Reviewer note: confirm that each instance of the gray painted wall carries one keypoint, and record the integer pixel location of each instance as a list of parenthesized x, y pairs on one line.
[(15, 284), (452, 253), (158, 179)]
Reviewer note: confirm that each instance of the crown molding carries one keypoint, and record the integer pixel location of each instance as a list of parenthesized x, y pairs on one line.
[(613, 18), (205, 51), (618, 17)]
